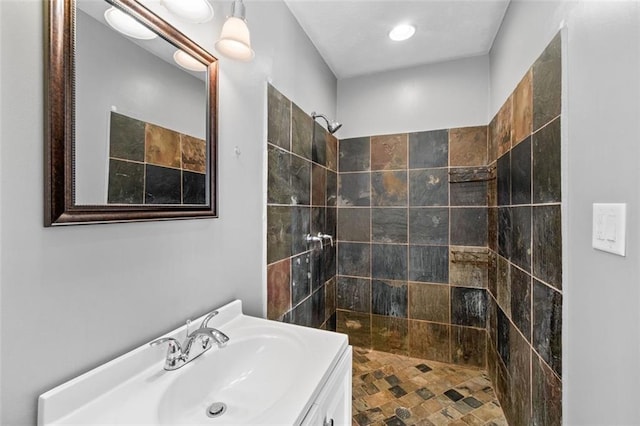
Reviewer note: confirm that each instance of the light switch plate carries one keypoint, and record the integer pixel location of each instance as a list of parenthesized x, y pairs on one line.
[(609, 227)]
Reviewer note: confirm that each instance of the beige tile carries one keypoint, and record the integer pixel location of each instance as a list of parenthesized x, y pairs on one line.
[(468, 146), (522, 109), (389, 152)]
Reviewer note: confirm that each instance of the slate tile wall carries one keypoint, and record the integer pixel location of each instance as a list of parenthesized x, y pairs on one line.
[(525, 242), (301, 199), (412, 243)]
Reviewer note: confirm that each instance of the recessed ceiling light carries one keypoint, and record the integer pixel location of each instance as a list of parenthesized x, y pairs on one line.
[(193, 11), (127, 25), (402, 32), (188, 62)]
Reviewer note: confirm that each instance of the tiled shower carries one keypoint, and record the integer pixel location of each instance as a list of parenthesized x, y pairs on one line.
[(449, 242)]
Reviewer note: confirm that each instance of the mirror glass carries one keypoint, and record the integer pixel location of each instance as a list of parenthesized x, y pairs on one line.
[(139, 132)]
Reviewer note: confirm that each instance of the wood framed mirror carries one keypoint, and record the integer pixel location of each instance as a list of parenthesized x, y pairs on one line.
[(130, 135)]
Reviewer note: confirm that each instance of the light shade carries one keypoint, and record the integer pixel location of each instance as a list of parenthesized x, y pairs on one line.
[(235, 42), (193, 11), (402, 32), (188, 62), (127, 25)]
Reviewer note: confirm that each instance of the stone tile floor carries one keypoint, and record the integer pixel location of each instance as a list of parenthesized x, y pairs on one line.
[(396, 390)]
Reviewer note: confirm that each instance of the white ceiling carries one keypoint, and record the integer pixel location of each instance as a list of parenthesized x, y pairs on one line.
[(351, 35)]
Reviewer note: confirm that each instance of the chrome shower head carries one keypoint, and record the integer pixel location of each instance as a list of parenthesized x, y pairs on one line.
[(332, 126)]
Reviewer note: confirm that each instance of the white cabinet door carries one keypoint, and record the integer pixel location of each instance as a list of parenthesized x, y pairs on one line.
[(333, 406)]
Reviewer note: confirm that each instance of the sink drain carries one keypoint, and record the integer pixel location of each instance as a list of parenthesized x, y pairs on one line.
[(216, 409)]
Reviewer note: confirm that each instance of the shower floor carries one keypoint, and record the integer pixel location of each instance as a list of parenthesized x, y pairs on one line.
[(391, 390)]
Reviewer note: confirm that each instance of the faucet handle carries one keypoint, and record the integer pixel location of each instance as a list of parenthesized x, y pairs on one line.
[(205, 321), (327, 237), (174, 352)]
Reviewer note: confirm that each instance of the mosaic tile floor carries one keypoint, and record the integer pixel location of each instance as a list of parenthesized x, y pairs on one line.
[(396, 390)]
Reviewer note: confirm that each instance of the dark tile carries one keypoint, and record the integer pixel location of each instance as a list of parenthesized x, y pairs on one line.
[(126, 182), (468, 226), (357, 325), (469, 306), (504, 232), (328, 263), (354, 224), (429, 187), (162, 185), (429, 264), (278, 289), (392, 380), (354, 259), (394, 420), (522, 109), (429, 226), (331, 223), (194, 188), (126, 138), (547, 84), (354, 189), (492, 273), (332, 189), (492, 228), (301, 314), (278, 118), (319, 145), (331, 324), (468, 146), (318, 219), (353, 155), (504, 285), (389, 298), (453, 395), (397, 391), (492, 186), (300, 278), (391, 335), (501, 130), (301, 132), (194, 154), (504, 336), (300, 181), (492, 140), (389, 188), (547, 244), (468, 346), (278, 176), (162, 146), (492, 332), (354, 294), (389, 152), (300, 227), (318, 185), (504, 180), (315, 268), (429, 149), (521, 173), (520, 379), (468, 193), (547, 164), (546, 395), (332, 152), (429, 340), (429, 302), (317, 308), (468, 266), (389, 261), (521, 237), (330, 294), (278, 233), (472, 402), (424, 368), (521, 301), (389, 225), (425, 393), (547, 325)]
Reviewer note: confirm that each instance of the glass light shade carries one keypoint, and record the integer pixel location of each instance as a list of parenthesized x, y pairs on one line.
[(188, 62), (234, 40), (402, 32), (193, 11), (127, 25)]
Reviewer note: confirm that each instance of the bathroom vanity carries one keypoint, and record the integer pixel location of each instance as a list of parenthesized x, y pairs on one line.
[(266, 373)]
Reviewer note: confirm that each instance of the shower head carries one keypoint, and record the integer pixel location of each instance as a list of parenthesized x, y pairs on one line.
[(332, 126)]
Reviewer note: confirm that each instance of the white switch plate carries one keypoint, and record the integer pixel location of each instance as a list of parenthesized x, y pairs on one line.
[(609, 227)]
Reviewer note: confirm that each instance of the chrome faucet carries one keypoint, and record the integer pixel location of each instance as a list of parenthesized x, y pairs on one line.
[(319, 238), (179, 355)]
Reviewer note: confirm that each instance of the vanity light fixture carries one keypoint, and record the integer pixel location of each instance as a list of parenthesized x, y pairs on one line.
[(193, 11), (402, 32), (188, 62), (127, 25), (234, 42)]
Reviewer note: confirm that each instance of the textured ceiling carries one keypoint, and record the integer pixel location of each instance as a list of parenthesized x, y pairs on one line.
[(351, 35)]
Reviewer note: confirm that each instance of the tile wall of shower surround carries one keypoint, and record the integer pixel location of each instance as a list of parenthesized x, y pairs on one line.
[(412, 243), (525, 243), (301, 200)]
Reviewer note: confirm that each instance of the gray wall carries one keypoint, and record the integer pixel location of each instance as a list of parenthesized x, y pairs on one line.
[(75, 297), (111, 70), (436, 96), (601, 105)]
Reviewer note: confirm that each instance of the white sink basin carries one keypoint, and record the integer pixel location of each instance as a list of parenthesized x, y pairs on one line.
[(267, 374)]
